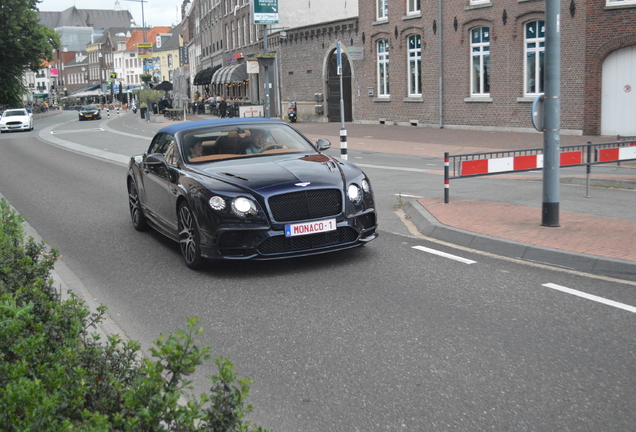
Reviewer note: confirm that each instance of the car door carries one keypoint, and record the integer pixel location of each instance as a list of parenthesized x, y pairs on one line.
[(157, 179)]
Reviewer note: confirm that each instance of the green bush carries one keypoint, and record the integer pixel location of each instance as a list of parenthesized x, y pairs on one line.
[(55, 376)]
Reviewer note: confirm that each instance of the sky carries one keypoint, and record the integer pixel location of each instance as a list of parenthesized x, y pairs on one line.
[(156, 12)]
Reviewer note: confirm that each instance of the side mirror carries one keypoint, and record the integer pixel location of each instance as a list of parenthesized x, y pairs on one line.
[(323, 144), (155, 159)]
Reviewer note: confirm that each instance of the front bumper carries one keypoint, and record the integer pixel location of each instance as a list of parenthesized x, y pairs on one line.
[(266, 244), (14, 127)]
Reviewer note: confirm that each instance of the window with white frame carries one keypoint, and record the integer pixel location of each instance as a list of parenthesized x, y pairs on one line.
[(412, 7), (620, 2), (382, 11), (233, 36), (415, 65), (383, 67), (245, 24), (238, 32), (480, 61), (534, 50), (476, 2)]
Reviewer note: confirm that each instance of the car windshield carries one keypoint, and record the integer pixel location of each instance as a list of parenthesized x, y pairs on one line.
[(89, 108), (11, 113), (240, 141)]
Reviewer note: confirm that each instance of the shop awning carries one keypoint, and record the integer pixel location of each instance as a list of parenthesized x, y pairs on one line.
[(204, 77), (231, 74)]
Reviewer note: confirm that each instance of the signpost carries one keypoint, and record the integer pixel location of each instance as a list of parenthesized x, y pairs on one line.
[(265, 11)]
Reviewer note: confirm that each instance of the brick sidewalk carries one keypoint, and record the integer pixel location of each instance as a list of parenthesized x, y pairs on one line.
[(579, 233)]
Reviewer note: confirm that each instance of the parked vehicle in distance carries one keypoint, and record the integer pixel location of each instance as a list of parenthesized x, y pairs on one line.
[(239, 189), (16, 119), (90, 112), (292, 114)]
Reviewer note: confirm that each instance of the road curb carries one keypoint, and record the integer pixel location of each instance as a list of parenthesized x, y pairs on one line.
[(429, 226)]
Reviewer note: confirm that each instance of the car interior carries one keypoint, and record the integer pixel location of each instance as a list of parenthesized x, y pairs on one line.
[(232, 144)]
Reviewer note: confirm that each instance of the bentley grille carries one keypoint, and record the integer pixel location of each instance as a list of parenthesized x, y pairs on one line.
[(303, 205)]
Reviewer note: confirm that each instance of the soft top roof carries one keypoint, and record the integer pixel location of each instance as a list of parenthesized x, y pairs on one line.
[(173, 129)]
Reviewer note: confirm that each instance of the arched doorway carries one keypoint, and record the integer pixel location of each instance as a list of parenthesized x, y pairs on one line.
[(333, 88), (618, 101)]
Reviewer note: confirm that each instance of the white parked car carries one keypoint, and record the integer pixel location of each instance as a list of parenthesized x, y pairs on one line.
[(15, 120)]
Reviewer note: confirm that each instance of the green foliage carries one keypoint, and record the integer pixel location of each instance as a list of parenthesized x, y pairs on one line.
[(55, 376), (24, 44), (150, 96)]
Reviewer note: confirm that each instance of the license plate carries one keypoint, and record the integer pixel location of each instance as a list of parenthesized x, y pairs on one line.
[(89, 116), (310, 228)]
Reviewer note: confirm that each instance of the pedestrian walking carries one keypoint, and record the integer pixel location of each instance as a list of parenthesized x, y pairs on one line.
[(223, 108)]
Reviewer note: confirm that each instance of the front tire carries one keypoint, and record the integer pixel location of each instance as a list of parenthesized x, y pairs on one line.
[(136, 213), (189, 239)]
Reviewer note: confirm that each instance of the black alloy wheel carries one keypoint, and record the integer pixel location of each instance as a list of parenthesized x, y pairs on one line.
[(189, 240), (136, 213)]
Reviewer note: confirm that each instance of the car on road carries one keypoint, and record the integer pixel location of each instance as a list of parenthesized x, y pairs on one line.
[(239, 189), (16, 119), (90, 112)]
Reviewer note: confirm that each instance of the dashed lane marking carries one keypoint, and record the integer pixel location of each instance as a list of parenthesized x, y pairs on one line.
[(598, 299), (444, 254)]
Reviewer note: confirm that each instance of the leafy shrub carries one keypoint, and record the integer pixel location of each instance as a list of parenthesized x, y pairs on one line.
[(54, 375)]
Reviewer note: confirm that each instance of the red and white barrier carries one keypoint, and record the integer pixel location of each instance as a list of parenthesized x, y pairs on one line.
[(616, 154), (516, 163)]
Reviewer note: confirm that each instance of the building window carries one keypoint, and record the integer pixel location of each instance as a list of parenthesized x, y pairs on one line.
[(412, 7), (382, 9), (534, 49), (620, 2), (170, 60), (383, 68), (245, 24), (238, 32), (480, 61), (415, 65), (233, 36), (476, 2)]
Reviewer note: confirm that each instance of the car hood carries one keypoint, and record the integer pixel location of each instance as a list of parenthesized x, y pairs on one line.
[(262, 173)]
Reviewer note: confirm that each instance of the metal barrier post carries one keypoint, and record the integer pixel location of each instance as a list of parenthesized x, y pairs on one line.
[(108, 113), (588, 169), (446, 179)]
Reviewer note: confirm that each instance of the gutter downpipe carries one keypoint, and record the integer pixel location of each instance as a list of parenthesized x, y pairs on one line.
[(441, 70)]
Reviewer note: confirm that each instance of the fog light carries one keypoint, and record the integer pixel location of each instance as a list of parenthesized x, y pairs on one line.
[(217, 203)]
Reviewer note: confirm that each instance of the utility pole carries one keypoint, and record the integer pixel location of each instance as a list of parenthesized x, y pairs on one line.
[(552, 115)]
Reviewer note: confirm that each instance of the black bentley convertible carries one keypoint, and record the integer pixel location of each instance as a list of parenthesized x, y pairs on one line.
[(248, 189)]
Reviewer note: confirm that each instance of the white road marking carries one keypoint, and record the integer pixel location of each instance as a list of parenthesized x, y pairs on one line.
[(58, 132), (409, 196), (392, 168), (444, 254), (598, 299)]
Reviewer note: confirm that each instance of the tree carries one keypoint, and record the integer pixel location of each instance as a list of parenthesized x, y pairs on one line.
[(24, 45)]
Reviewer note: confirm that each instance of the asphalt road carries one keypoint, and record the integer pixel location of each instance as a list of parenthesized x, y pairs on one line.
[(383, 338)]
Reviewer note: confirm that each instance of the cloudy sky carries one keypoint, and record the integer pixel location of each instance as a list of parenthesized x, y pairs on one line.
[(156, 12)]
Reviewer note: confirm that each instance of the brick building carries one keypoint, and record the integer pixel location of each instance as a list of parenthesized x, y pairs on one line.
[(489, 55)]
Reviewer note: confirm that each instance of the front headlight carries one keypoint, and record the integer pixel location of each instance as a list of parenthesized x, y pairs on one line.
[(244, 207), (354, 193)]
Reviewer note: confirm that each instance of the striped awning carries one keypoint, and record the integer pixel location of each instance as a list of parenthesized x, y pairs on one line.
[(231, 74), (204, 77)]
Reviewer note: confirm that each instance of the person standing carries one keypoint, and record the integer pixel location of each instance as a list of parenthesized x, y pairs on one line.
[(223, 108)]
